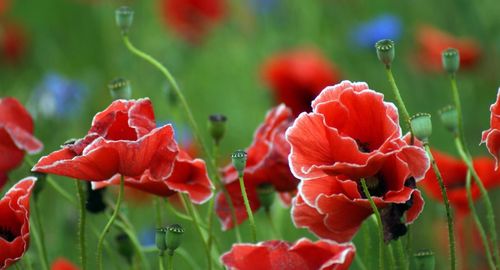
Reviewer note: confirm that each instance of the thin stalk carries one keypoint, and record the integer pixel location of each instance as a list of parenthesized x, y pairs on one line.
[(110, 223), (161, 263), (81, 224), (392, 261), (449, 215), (38, 235), (159, 217), (401, 254), (135, 243), (458, 107), (249, 210), (479, 226), (381, 255), (399, 100), (170, 262)]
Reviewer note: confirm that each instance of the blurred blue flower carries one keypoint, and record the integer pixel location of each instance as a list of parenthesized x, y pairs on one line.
[(147, 237), (182, 133), (385, 26), (57, 97)]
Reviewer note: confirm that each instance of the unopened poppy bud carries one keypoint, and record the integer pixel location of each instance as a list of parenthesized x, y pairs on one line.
[(95, 199), (239, 158), (40, 183), (266, 195), (425, 260), (449, 117), (160, 239), (422, 126), (451, 60), (174, 237), (124, 17), (125, 247), (385, 51), (120, 89), (217, 127)]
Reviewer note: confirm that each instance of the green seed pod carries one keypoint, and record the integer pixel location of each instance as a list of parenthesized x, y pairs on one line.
[(385, 51), (239, 158), (124, 17), (174, 237), (217, 127), (422, 126), (120, 89), (451, 60), (449, 117), (125, 247), (266, 195), (160, 239), (425, 260)]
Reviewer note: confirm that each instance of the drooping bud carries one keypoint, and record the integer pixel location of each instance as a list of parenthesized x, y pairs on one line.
[(422, 126), (451, 60), (160, 239), (239, 158), (174, 237), (40, 183), (217, 127), (95, 199), (120, 89), (385, 51), (124, 17), (266, 195), (449, 117), (425, 260), (125, 247)]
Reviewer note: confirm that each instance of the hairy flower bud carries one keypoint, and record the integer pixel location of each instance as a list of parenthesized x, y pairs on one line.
[(217, 127), (449, 117), (451, 60), (385, 51), (239, 158), (124, 17), (120, 89)]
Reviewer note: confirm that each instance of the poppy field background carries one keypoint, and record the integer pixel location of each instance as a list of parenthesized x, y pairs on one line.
[(75, 45)]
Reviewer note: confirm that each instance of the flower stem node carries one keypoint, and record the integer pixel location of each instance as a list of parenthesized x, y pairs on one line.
[(120, 89), (422, 126), (125, 247), (424, 260), (124, 17), (385, 51), (239, 158), (266, 195), (451, 60), (217, 127), (173, 237), (449, 117), (160, 239)]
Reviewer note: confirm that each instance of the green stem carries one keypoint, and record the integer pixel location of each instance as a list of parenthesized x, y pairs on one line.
[(399, 101), (249, 210), (39, 237), (159, 218), (135, 242), (381, 258), (110, 223), (401, 254), (361, 265), (81, 224), (458, 107), (449, 215), (479, 226), (392, 261), (269, 217), (161, 262), (170, 262)]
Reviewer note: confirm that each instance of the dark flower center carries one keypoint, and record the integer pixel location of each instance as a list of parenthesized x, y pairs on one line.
[(363, 147), (7, 234), (376, 186)]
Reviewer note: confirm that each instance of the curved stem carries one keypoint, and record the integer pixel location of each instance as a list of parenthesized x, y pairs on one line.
[(81, 224), (249, 210), (38, 235), (449, 216), (110, 223), (381, 258), (399, 101)]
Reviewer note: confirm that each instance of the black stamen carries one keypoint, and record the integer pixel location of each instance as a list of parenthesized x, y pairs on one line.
[(7, 234)]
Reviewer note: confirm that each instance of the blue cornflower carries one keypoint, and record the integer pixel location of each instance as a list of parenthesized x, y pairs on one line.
[(385, 26)]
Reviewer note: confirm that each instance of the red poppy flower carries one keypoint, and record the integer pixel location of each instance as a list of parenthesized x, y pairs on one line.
[(63, 264), (12, 42), (188, 176), (192, 19), (267, 164), (492, 136), (16, 136), (14, 224), (297, 77), (432, 42), (454, 173), (122, 140), (303, 255)]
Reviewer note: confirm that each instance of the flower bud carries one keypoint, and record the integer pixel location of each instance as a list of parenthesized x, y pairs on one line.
[(217, 127), (422, 126), (125, 247), (174, 237), (385, 51), (266, 195), (120, 89), (451, 60), (239, 158), (425, 260), (449, 117), (40, 183), (95, 199), (160, 239), (124, 16)]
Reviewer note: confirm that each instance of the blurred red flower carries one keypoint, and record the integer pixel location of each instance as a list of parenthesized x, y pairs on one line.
[(192, 19), (296, 77), (432, 42), (277, 255), (122, 140), (63, 264), (16, 136), (14, 224), (454, 173), (12, 42), (188, 176), (492, 136), (4, 5), (267, 164), (351, 134)]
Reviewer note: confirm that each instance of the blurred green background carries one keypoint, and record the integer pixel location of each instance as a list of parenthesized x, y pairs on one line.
[(78, 40)]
